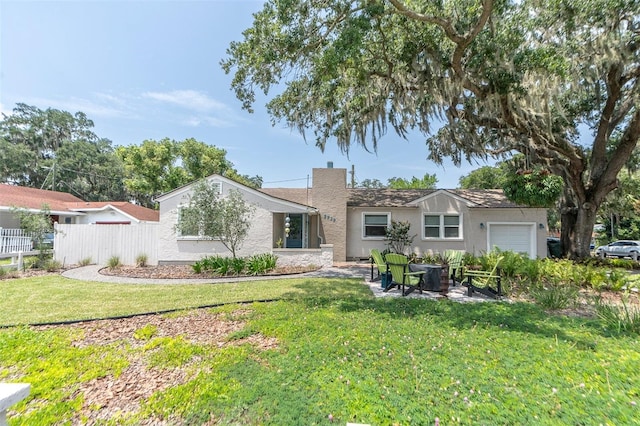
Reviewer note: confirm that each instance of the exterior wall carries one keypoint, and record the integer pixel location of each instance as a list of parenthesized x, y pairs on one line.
[(533, 216), (329, 196), (74, 243), (474, 239), (9, 220), (174, 249), (322, 257), (103, 216)]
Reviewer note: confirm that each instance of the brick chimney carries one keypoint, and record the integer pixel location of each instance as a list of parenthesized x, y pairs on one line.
[(329, 196)]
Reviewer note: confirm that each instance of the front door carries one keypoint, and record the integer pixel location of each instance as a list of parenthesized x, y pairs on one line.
[(296, 231)]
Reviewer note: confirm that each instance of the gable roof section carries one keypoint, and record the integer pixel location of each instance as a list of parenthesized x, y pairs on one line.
[(285, 202), (68, 204), (295, 195), (135, 212), (478, 198), (33, 198)]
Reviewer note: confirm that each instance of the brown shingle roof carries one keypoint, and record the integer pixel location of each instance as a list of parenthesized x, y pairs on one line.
[(483, 198), (364, 197), (33, 198), (139, 212)]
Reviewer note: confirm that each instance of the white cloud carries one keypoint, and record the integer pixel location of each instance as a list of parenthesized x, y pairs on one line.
[(188, 99), (101, 107)]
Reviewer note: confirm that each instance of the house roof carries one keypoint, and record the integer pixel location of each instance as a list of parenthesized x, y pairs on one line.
[(479, 198), (296, 195), (33, 198), (137, 212), (377, 197), (63, 202)]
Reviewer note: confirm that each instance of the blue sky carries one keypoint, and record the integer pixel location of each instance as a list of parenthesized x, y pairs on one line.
[(150, 69)]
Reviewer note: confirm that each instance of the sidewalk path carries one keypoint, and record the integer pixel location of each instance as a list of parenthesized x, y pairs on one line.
[(92, 273), (347, 270)]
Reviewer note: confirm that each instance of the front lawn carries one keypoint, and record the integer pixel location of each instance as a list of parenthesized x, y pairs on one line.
[(329, 353)]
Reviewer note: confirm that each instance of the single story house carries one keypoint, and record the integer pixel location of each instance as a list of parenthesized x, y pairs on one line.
[(66, 208), (349, 222)]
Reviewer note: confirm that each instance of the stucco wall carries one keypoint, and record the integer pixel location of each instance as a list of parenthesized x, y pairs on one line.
[(172, 248), (473, 238)]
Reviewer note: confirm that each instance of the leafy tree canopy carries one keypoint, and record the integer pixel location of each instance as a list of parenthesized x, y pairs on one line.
[(371, 183), (30, 138), (486, 177), (427, 182), (503, 75), (155, 167)]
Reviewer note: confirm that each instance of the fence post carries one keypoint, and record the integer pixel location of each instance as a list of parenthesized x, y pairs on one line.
[(11, 393)]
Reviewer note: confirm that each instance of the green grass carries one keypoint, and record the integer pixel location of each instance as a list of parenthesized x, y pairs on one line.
[(340, 353), (54, 298)]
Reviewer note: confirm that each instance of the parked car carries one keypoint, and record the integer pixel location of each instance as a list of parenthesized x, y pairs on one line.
[(46, 243), (622, 248)]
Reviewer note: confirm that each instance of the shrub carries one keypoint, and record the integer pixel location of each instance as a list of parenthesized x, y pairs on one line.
[(617, 279), (53, 265), (85, 262), (512, 264), (623, 263), (622, 318), (556, 295), (237, 265), (141, 260), (114, 262), (261, 263), (197, 267)]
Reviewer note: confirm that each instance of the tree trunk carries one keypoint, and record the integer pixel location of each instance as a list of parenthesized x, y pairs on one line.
[(578, 220)]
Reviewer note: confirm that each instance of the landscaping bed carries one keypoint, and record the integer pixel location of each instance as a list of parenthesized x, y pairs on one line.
[(187, 272)]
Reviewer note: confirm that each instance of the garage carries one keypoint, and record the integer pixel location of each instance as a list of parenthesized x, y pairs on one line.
[(519, 238)]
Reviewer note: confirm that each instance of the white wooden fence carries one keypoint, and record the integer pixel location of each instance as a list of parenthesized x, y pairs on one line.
[(98, 243), (14, 241)]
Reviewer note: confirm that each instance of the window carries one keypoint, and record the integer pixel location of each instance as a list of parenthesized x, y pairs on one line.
[(375, 225), (188, 228), (192, 224), (442, 226)]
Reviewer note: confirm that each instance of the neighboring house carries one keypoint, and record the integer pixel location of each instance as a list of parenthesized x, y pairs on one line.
[(353, 221), (65, 208)]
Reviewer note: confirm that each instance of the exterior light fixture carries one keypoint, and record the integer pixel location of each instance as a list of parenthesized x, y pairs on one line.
[(481, 225), (287, 225)]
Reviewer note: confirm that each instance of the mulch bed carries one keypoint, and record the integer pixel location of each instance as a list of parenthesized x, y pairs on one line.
[(113, 395), (186, 271)]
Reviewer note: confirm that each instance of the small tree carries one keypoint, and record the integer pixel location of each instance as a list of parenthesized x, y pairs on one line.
[(208, 215), (235, 219), (36, 225), (397, 236)]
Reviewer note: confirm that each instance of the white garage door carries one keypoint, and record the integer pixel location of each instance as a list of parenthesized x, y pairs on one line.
[(514, 237)]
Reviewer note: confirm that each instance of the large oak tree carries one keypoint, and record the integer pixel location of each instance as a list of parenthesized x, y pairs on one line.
[(528, 76)]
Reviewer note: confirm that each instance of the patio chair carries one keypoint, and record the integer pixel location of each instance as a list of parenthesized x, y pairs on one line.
[(454, 258), (377, 260), (480, 281), (398, 265)]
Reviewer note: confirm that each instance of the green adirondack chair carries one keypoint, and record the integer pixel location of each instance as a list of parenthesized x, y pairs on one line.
[(377, 261), (454, 259), (480, 281), (402, 277)]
